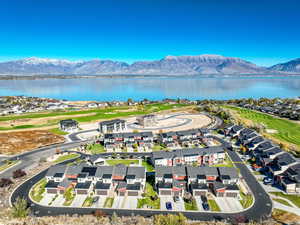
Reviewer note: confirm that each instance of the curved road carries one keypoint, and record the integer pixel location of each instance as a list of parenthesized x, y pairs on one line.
[(261, 208)]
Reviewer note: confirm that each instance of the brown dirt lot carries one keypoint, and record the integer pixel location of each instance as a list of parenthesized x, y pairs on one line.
[(21, 141)]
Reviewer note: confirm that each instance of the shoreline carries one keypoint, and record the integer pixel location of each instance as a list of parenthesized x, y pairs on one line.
[(126, 76)]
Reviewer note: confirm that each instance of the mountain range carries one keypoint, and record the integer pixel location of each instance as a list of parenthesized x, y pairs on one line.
[(169, 65)]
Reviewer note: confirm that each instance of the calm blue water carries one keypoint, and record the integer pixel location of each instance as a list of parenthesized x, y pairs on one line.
[(155, 88)]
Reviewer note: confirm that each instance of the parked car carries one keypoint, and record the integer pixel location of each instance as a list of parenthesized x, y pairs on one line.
[(169, 205), (205, 206), (203, 198), (268, 180), (176, 198)]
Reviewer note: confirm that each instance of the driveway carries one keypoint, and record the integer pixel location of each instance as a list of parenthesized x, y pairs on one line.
[(199, 203), (78, 200), (179, 205), (118, 202), (100, 202), (227, 204), (163, 200), (47, 199), (59, 201), (130, 202)]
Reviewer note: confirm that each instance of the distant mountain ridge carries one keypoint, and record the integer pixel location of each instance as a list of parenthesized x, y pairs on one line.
[(169, 65)]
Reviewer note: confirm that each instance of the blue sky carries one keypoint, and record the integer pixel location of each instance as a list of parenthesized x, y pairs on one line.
[(262, 31)]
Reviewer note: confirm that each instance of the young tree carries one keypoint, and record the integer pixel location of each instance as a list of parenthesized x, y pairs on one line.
[(4, 182), (19, 173)]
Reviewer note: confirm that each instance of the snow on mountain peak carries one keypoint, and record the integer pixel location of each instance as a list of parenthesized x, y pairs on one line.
[(36, 60)]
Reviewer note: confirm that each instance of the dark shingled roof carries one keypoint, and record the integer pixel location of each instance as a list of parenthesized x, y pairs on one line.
[(51, 184), (85, 185), (101, 185)]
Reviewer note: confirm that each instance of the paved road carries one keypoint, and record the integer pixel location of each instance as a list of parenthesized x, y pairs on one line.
[(74, 136), (261, 208)]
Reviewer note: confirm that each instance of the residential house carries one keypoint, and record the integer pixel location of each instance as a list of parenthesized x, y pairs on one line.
[(68, 125), (113, 126)]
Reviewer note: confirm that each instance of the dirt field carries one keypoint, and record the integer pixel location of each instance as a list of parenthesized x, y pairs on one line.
[(21, 141), (37, 121)]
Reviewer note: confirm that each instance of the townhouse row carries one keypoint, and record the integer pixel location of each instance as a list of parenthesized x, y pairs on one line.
[(185, 137), (283, 167), (117, 141), (193, 156), (101, 180), (199, 181)]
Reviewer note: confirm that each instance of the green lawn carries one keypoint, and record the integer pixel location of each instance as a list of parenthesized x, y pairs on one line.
[(38, 190), (148, 200), (108, 202), (158, 147), (58, 131), (213, 205), (293, 198), (69, 196), (8, 164), (66, 157), (148, 166), (97, 114), (227, 163), (246, 200), (282, 201), (95, 148), (113, 162), (88, 202), (287, 131), (191, 205)]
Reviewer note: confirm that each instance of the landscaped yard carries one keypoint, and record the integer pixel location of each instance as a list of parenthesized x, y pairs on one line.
[(286, 131), (150, 199), (95, 148), (69, 196), (113, 162), (293, 198), (191, 205), (66, 157), (213, 205), (246, 200), (8, 164), (108, 202), (58, 131), (88, 202), (158, 147), (38, 190), (227, 163), (148, 166)]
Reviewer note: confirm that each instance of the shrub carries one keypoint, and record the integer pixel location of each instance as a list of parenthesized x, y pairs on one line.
[(170, 219), (19, 173), (20, 208), (99, 213), (4, 182)]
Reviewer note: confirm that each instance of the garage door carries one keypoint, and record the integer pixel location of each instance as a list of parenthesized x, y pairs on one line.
[(165, 192), (220, 194), (133, 193), (81, 192), (101, 192), (231, 194), (51, 191), (198, 193), (121, 193)]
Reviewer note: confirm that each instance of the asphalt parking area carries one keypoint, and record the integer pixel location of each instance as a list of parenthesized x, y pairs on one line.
[(59, 201), (130, 202), (78, 200)]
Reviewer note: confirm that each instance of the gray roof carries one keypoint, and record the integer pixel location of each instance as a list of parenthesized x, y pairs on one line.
[(160, 171), (228, 171), (56, 169), (112, 122), (193, 172), (138, 171), (119, 170), (285, 159), (103, 170), (74, 169)]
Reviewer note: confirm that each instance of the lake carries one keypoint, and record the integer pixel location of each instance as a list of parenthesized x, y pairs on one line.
[(155, 88)]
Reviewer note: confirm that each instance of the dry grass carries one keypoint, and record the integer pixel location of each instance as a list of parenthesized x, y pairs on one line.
[(285, 217), (21, 141)]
